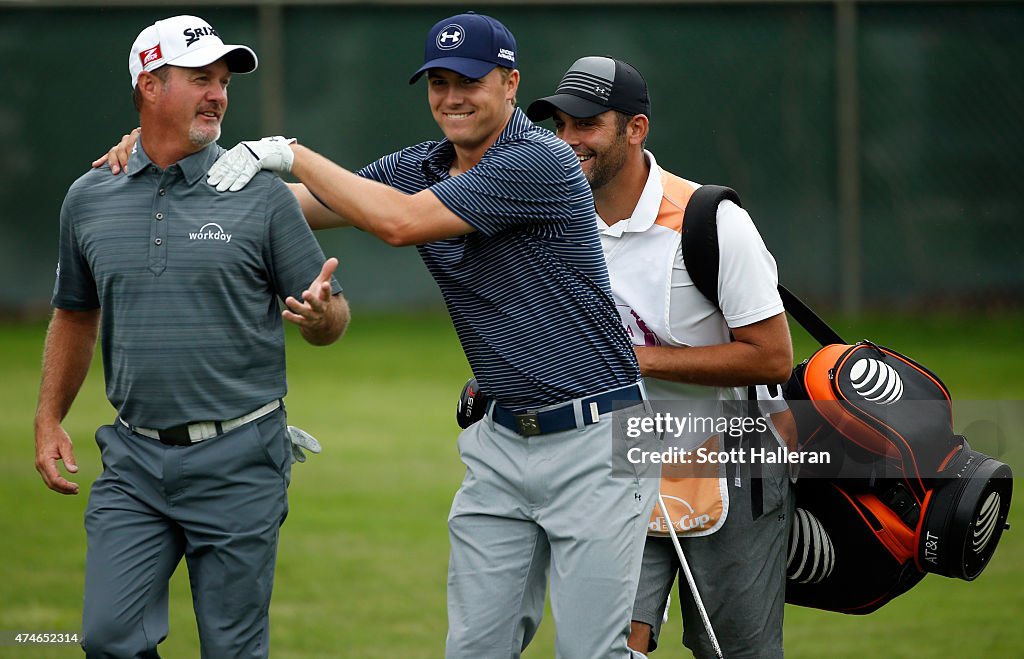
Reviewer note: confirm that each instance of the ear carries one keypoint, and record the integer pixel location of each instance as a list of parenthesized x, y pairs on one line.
[(149, 86), (637, 129), (512, 84)]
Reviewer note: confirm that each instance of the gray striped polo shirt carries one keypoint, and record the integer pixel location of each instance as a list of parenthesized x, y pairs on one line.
[(188, 281), (528, 291)]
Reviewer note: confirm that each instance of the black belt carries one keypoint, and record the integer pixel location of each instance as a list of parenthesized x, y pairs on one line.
[(563, 417), (179, 435), (192, 433)]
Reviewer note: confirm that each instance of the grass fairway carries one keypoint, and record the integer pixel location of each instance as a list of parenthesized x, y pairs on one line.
[(363, 555)]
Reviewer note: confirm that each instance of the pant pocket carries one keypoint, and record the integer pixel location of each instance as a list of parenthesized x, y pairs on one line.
[(774, 476), (271, 433)]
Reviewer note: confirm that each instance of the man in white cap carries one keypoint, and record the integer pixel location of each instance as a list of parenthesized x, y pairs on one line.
[(186, 282)]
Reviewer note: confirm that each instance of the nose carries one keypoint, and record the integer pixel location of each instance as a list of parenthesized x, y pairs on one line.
[(217, 94), (453, 95), (568, 135)]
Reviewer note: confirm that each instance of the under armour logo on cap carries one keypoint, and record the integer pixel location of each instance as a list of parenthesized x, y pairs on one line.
[(469, 44), (450, 36), (593, 85)]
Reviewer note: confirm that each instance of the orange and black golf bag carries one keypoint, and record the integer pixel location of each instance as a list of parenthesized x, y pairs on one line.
[(902, 494)]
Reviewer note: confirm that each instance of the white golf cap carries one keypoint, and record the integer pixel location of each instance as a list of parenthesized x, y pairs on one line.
[(185, 41)]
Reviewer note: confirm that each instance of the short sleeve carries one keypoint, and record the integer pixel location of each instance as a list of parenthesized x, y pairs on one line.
[(294, 255), (520, 183), (74, 288), (748, 277), (381, 170)]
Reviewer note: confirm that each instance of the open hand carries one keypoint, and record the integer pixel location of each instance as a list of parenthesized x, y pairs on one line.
[(235, 169), (311, 311)]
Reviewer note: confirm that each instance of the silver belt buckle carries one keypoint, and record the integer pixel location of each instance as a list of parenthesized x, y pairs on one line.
[(527, 425)]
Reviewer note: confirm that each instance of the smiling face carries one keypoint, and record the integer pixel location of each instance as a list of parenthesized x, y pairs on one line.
[(192, 102), (601, 143), (472, 112)]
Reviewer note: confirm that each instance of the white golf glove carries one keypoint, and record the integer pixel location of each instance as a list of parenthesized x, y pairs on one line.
[(235, 169), (302, 440)]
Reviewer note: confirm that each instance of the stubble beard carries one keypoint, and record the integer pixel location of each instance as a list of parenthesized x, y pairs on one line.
[(201, 137), (607, 166)]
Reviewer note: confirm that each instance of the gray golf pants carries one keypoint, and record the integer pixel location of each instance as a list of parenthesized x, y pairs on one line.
[(219, 503), (740, 572), (530, 504)]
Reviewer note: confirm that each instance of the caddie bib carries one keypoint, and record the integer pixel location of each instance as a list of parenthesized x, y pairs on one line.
[(640, 262)]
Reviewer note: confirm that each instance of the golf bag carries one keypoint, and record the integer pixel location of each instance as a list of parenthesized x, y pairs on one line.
[(903, 494)]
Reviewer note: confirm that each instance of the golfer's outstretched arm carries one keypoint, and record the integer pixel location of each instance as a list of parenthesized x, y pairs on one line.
[(394, 217), (317, 215)]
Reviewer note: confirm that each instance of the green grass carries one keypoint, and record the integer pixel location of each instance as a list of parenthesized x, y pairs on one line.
[(363, 554)]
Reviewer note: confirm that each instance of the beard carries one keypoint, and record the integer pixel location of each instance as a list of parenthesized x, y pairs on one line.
[(607, 165), (200, 137)]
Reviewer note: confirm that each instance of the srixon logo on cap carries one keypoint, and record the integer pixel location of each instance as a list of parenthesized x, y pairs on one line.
[(150, 55), (194, 34)]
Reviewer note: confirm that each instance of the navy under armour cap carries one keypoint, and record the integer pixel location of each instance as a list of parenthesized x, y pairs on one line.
[(469, 44), (593, 85)]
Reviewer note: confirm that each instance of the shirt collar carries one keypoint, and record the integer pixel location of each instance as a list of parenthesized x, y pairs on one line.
[(647, 207), (440, 156), (438, 160), (194, 167)]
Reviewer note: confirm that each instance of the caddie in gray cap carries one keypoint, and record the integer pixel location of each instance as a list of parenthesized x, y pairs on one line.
[(689, 349), (593, 85)]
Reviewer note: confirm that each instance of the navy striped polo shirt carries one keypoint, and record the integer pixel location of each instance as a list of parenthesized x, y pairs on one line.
[(188, 280), (528, 291)]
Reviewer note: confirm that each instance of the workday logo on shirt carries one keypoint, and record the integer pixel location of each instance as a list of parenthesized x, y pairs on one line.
[(210, 231)]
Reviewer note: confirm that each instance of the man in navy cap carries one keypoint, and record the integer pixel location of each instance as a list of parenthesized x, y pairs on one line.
[(502, 215)]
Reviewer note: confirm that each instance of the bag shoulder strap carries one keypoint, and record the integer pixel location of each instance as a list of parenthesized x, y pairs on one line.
[(699, 243), (819, 330), (699, 240)]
